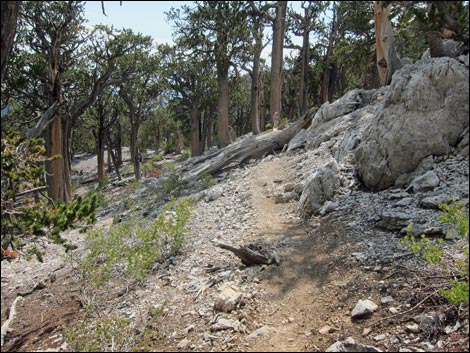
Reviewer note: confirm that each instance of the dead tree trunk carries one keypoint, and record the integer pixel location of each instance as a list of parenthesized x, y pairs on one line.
[(249, 257), (251, 147), (387, 57)]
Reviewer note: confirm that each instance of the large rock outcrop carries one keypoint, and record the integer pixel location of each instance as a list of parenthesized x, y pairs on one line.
[(388, 136), (424, 113)]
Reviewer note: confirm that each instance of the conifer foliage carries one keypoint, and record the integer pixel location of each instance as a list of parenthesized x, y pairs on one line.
[(26, 211)]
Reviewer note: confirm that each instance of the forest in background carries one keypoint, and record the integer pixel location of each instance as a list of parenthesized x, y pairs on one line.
[(82, 90)]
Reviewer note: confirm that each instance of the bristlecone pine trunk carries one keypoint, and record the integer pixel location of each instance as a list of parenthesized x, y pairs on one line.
[(387, 57)]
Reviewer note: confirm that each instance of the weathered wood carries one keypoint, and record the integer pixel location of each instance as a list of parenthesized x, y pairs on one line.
[(251, 147), (387, 58), (248, 256)]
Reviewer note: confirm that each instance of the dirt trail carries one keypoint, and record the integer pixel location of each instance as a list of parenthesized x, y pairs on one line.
[(302, 293)]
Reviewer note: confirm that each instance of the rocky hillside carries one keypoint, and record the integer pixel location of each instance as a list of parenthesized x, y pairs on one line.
[(328, 213)]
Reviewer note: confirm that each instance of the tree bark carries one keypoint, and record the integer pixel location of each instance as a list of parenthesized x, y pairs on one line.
[(195, 130), (254, 98), (325, 90), (118, 144), (386, 55), (304, 73), (67, 160), (100, 158), (134, 118), (275, 101), (222, 105), (113, 157), (262, 110), (9, 16), (54, 168), (303, 94)]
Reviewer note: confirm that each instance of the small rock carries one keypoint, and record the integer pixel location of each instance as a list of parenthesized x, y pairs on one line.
[(380, 337), (285, 197), (350, 345), (363, 308), (326, 329), (183, 344), (435, 201), (427, 321), (393, 220), (214, 193), (427, 181), (449, 329), (225, 324), (228, 299), (327, 207), (405, 202), (289, 187), (261, 332), (393, 310), (414, 328), (387, 300), (366, 331), (188, 329)]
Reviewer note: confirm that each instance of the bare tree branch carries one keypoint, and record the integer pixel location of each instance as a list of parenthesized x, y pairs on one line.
[(44, 122)]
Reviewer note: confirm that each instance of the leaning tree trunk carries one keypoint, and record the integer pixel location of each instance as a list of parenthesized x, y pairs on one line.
[(387, 57), (251, 147)]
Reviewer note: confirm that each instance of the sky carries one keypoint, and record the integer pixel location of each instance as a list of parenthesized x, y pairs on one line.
[(147, 17)]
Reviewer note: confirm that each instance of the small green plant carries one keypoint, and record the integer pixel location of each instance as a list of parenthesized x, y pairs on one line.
[(454, 217), (185, 154), (132, 248), (134, 185), (36, 252), (170, 166), (97, 335), (173, 186), (429, 250), (156, 157), (207, 181)]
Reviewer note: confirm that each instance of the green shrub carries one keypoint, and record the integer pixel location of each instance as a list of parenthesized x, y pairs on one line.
[(207, 181), (97, 335), (131, 248), (455, 218), (170, 166), (173, 186), (156, 157)]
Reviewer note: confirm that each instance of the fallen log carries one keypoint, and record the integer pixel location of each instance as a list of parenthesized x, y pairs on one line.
[(249, 257), (251, 147)]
